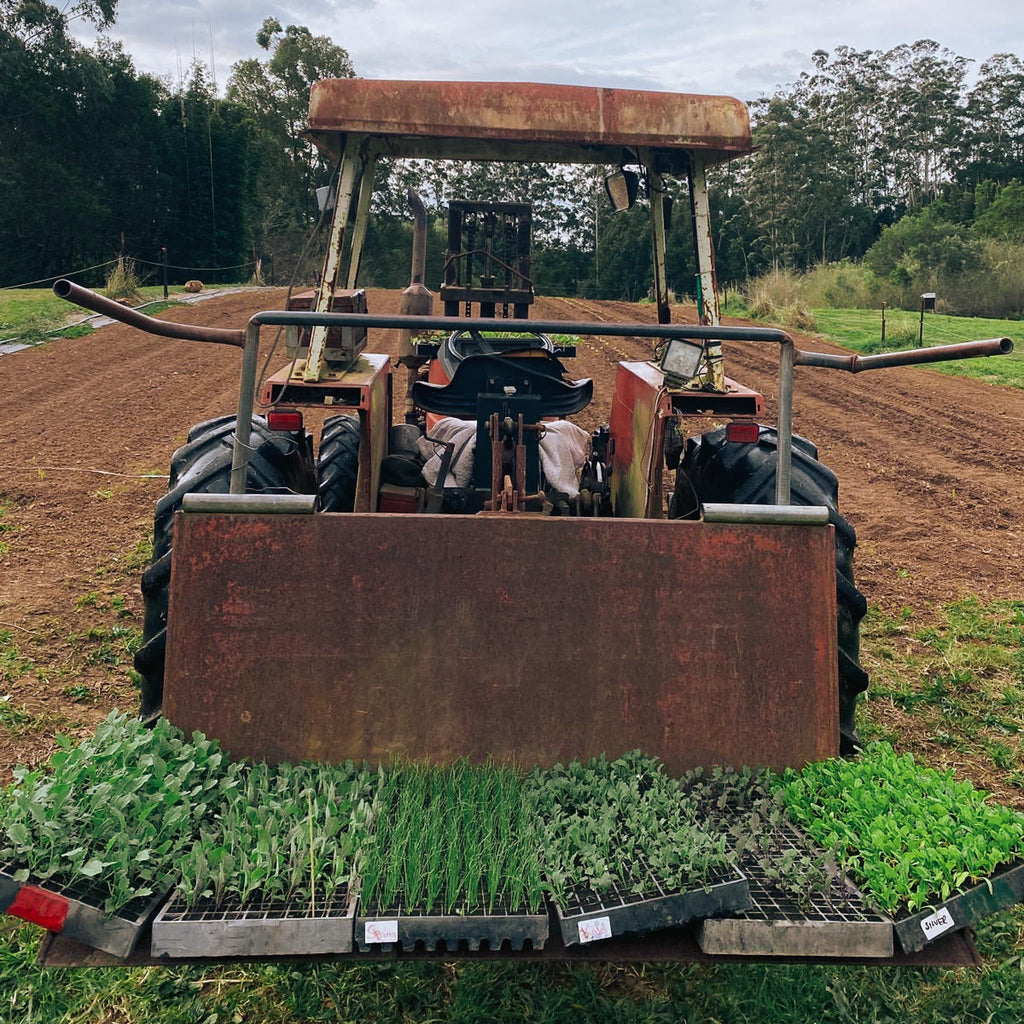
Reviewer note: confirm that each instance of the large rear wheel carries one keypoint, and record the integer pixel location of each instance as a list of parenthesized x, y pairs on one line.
[(714, 469), (201, 465), (338, 463)]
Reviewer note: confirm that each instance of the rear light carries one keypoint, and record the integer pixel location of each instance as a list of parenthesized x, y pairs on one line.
[(742, 433), (284, 419)]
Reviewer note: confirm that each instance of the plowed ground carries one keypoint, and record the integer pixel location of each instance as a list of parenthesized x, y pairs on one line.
[(931, 473)]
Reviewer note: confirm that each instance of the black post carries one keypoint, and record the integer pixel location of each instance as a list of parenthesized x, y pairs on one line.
[(920, 330), (883, 325), (163, 266)]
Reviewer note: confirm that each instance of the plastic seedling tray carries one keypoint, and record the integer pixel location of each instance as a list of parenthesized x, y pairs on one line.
[(387, 928), (1002, 890), (589, 916), (256, 928), (836, 923), (76, 911)]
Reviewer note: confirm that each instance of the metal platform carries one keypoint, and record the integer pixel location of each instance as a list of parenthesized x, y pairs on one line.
[(671, 946)]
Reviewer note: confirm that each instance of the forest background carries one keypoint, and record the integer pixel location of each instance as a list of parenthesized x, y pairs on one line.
[(902, 170)]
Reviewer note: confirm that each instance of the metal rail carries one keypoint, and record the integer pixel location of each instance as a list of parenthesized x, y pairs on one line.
[(789, 354)]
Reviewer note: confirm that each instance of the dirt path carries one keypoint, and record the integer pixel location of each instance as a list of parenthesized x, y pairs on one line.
[(931, 470)]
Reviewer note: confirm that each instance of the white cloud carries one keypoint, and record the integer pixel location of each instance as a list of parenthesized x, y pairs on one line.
[(740, 47)]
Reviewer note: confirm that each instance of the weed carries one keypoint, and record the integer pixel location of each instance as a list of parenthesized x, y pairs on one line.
[(88, 600), (12, 664), (77, 691), (122, 281)]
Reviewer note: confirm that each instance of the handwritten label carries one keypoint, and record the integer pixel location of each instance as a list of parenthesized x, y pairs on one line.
[(595, 928), (938, 923), (380, 931)]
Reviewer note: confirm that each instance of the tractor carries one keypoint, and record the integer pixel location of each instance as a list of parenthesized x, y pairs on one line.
[(456, 568)]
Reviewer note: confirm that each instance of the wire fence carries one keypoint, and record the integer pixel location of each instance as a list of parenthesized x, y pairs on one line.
[(248, 265)]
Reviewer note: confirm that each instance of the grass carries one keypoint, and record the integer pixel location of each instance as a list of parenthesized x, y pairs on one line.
[(861, 329), (32, 315), (952, 689)]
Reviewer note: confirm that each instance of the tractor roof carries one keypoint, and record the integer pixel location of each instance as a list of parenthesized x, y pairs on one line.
[(526, 121)]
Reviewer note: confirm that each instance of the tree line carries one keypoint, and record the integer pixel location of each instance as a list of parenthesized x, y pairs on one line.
[(900, 158)]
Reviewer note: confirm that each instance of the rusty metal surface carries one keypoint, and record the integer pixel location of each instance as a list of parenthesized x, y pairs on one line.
[(164, 328), (351, 387), (528, 638), (530, 112), (676, 945)]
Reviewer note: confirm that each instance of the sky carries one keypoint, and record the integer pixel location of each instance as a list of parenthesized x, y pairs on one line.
[(744, 48)]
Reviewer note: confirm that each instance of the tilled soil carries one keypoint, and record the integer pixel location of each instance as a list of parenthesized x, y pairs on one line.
[(931, 473)]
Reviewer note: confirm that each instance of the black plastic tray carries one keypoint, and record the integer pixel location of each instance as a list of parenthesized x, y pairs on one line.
[(387, 929), (77, 912), (1002, 890), (257, 928), (591, 916)]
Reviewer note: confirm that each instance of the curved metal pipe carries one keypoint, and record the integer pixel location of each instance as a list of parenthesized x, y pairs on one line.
[(89, 299), (936, 354)]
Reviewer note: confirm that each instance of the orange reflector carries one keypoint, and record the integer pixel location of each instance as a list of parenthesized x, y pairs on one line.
[(742, 433), (284, 419)]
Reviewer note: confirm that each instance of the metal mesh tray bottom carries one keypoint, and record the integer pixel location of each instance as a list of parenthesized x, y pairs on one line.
[(276, 928), (837, 923), (410, 929), (85, 918), (590, 916)]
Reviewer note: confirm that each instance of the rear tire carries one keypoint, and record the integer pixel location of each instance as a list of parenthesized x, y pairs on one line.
[(202, 465), (338, 463), (715, 470)]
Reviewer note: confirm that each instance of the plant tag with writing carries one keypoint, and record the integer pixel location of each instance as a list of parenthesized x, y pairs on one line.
[(380, 931), (937, 923), (596, 928)]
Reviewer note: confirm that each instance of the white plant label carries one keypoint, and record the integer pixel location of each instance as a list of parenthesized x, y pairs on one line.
[(596, 928), (938, 923), (380, 931)]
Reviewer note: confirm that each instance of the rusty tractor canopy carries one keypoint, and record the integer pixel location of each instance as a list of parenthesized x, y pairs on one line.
[(527, 121), (527, 638)]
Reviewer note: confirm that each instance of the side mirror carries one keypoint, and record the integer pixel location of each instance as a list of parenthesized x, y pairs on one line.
[(622, 188)]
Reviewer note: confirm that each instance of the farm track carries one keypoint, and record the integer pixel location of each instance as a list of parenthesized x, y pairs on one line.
[(931, 470)]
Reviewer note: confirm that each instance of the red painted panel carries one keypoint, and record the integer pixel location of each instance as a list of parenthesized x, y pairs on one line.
[(40, 907)]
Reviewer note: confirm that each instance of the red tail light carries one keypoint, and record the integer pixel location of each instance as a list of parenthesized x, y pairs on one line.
[(742, 433), (284, 419)]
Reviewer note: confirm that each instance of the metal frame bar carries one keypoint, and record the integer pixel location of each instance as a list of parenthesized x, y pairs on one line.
[(789, 355)]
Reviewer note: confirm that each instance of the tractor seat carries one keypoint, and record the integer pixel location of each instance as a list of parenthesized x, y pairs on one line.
[(490, 374), (460, 344)]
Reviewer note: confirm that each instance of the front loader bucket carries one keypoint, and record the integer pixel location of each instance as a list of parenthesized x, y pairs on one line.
[(532, 639)]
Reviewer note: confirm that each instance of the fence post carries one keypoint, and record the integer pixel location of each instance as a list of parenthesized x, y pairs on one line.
[(163, 265)]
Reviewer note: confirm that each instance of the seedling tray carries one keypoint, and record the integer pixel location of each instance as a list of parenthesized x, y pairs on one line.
[(76, 911), (256, 928), (1002, 890), (589, 916), (837, 923), (392, 928)]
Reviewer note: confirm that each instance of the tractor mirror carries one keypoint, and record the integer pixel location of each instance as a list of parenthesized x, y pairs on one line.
[(622, 187)]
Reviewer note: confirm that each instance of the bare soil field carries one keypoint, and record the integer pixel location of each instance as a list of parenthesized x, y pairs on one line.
[(931, 473)]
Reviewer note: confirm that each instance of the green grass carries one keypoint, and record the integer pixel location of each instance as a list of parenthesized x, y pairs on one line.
[(957, 684), (31, 315), (861, 329)]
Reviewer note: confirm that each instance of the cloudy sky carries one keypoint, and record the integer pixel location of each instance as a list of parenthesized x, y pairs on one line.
[(740, 48)]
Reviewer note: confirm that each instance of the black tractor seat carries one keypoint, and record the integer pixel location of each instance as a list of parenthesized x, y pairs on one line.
[(491, 374), (461, 344)]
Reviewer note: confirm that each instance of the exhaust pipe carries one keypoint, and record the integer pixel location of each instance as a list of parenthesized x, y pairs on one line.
[(416, 300)]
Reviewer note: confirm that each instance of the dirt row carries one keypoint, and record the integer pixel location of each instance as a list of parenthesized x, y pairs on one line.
[(931, 470)]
